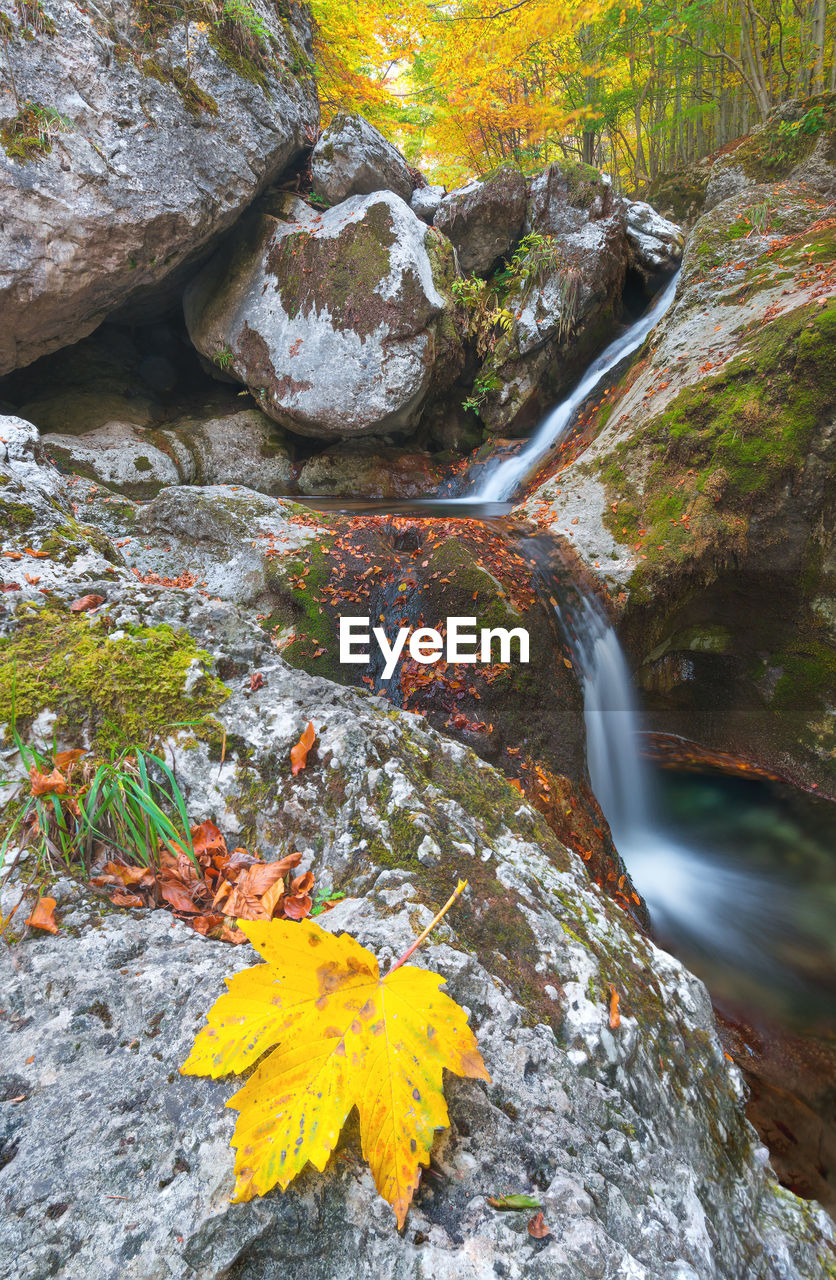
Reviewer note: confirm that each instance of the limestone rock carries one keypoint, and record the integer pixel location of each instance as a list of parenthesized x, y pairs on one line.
[(654, 243), (565, 197), (232, 448), (340, 323), (484, 219), (362, 470), (352, 158), (152, 152), (425, 201)]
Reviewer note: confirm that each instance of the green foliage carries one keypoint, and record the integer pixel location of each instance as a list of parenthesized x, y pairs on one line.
[(130, 803), (30, 133), (224, 358)]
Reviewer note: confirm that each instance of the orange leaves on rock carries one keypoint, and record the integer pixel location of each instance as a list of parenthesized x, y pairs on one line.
[(341, 1036), (615, 1016), (44, 784), (43, 916), (299, 753)]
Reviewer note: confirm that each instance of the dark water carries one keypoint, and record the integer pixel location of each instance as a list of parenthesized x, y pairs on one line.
[(772, 851)]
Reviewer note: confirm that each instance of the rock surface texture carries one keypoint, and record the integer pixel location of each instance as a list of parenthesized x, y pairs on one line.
[(151, 152), (566, 308), (484, 219), (632, 1136), (340, 323), (352, 158)]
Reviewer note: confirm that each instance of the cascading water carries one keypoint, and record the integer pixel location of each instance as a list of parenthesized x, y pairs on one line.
[(691, 897), (499, 483)]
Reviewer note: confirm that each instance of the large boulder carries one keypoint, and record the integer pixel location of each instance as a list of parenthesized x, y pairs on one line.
[(564, 303), (654, 243), (214, 447), (340, 323), (565, 197), (484, 220), (136, 147), (358, 469), (352, 158), (426, 200)]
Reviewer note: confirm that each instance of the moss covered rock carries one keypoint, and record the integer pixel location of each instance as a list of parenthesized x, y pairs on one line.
[(340, 323)]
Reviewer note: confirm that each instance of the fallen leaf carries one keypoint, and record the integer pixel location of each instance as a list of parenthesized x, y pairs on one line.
[(91, 601), (43, 916), (537, 1227), (66, 759), (256, 681), (341, 1036), (122, 899), (299, 753), (45, 783), (513, 1202), (615, 1016)]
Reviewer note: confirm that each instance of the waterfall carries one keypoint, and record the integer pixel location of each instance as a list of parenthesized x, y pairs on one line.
[(692, 897), (499, 483)]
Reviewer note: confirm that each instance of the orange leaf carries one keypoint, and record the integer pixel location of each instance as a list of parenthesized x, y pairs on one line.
[(122, 899), (43, 917), (271, 899), (537, 1227), (91, 601), (66, 759), (45, 783), (177, 896), (299, 753), (615, 1016)]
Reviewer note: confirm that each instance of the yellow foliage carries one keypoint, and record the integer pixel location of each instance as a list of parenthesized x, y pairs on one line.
[(341, 1036)]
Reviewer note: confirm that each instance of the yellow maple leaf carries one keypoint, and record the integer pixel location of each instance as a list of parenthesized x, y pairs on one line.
[(341, 1036)]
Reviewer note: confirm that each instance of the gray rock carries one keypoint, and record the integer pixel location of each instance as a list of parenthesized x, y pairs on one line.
[(726, 179), (634, 1137), (565, 197), (352, 158), (358, 469), (145, 167), (243, 448), (562, 317), (655, 244), (425, 201), (340, 323), (484, 219)]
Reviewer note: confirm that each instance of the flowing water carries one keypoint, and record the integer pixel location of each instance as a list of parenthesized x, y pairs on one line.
[(742, 923)]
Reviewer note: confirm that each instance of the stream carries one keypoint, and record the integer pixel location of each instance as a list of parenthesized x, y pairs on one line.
[(737, 874)]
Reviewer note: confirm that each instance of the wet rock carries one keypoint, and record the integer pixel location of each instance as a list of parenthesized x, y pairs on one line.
[(425, 201), (154, 151), (563, 314), (484, 219), (340, 323), (360, 470), (352, 158), (633, 1136)]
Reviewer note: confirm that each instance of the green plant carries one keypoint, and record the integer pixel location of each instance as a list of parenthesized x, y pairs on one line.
[(32, 130), (246, 17), (129, 804), (224, 357)]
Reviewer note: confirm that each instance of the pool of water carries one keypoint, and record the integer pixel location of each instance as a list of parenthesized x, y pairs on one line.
[(742, 887)]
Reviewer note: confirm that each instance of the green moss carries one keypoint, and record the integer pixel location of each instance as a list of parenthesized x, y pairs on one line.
[(340, 274), (773, 151), (28, 134), (129, 689), (725, 444), (15, 516), (196, 100), (302, 610)]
